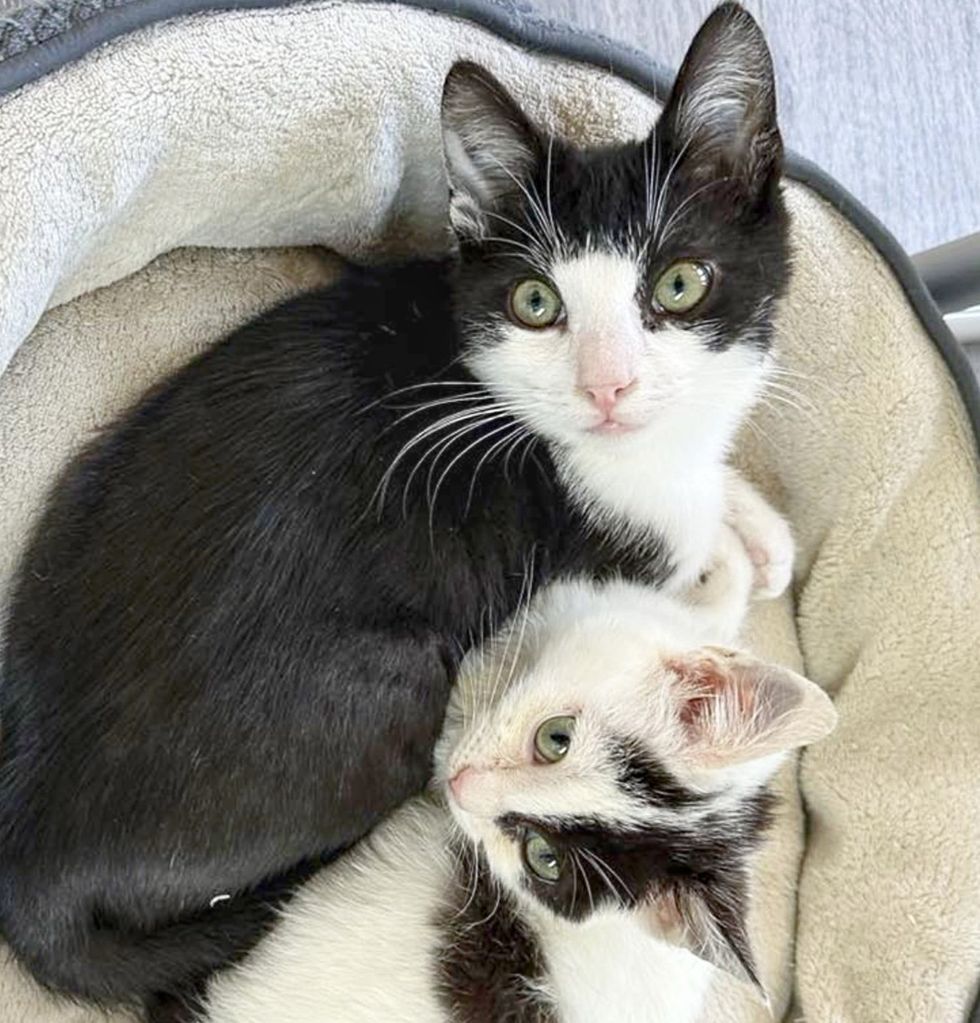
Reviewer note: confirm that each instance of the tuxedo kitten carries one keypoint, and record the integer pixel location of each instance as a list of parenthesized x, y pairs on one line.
[(235, 629), (605, 776)]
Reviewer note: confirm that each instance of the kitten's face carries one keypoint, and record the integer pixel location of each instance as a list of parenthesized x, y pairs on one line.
[(601, 769), (624, 295)]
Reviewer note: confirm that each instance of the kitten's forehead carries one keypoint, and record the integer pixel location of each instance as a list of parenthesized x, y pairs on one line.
[(598, 286), (630, 198)]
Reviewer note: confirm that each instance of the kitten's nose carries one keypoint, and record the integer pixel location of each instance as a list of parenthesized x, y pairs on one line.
[(605, 396), (458, 782)]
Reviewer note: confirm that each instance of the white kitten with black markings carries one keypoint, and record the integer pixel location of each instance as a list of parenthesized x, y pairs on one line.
[(600, 789)]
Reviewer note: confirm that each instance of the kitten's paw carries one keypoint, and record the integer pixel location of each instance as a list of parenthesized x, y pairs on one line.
[(721, 594), (766, 536), (770, 547)]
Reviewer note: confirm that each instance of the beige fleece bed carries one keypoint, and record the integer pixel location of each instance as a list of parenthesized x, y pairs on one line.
[(154, 194)]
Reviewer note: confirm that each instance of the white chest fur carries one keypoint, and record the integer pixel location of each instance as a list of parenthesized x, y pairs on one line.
[(609, 969), (644, 488)]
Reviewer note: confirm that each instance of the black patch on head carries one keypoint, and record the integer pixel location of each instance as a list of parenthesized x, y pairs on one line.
[(704, 186), (605, 863), (598, 201), (646, 778), (489, 960)]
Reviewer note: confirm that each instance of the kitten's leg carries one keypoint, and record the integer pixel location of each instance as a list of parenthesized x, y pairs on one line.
[(765, 534), (720, 598)]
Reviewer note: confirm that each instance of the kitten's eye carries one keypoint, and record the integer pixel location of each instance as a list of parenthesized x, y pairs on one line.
[(682, 286), (553, 738), (534, 304), (541, 857)]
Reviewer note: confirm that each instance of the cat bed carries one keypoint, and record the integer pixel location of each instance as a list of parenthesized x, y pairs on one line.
[(170, 167)]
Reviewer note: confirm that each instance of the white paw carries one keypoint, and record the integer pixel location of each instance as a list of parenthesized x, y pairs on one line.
[(721, 594), (767, 539), (727, 575)]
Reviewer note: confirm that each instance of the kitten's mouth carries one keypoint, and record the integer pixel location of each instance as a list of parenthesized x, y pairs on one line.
[(612, 426)]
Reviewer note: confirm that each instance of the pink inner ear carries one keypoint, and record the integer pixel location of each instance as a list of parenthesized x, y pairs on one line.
[(703, 682)]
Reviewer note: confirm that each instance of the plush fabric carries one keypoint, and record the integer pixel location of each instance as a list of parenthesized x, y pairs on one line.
[(250, 129)]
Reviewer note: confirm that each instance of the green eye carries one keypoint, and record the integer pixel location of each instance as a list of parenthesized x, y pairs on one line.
[(534, 303), (553, 738), (541, 857), (682, 286)]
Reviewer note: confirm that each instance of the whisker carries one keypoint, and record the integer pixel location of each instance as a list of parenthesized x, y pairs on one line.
[(524, 597), (520, 438), (517, 430), (417, 387), (663, 190), (474, 422), (605, 870), (664, 233), (444, 423), (469, 447)]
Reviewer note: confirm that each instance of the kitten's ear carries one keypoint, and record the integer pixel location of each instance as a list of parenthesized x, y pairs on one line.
[(720, 119), (734, 708), (711, 922), (489, 144)]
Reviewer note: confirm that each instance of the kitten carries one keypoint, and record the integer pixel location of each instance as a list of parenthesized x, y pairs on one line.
[(605, 777), (234, 631)]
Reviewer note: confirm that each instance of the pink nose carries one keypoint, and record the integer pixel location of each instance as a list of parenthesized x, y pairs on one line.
[(458, 782), (605, 396)]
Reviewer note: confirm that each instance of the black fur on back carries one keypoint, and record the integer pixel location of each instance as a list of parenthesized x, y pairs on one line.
[(221, 659)]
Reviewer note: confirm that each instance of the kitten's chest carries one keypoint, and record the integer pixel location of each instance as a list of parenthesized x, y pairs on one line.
[(610, 969), (649, 507)]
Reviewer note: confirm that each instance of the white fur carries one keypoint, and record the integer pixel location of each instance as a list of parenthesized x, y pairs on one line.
[(356, 945), (610, 969), (359, 942), (765, 534)]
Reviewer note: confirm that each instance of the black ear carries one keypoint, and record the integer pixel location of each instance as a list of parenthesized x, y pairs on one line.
[(720, 119), (709, 919), (489, 144)]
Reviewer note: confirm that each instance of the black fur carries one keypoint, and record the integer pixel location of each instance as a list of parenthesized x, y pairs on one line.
[(647, 779), (707, 854), (489, 963), (489, 959), (221, 660)]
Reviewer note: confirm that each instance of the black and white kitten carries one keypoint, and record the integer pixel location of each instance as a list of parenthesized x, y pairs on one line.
[(234, 631), (605, 775)]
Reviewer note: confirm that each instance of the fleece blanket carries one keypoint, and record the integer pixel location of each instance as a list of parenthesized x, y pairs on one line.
[(166, 186)]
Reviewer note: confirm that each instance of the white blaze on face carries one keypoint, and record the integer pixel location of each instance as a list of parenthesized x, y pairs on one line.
[(603, 322)]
